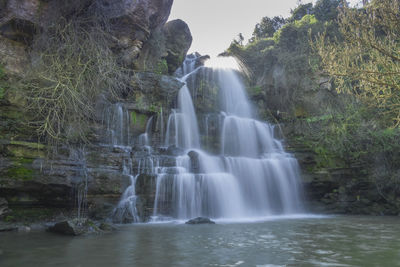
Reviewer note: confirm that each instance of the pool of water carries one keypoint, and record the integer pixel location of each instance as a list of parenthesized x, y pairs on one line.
[(297, 241)]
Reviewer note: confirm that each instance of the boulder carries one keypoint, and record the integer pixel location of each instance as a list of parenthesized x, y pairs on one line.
[(74, 227), (177, 42), (70, 227), (200, 220)]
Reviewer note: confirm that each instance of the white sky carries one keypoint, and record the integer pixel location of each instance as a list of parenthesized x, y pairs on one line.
[(215, 23)]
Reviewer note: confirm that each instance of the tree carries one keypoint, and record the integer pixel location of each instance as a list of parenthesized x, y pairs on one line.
[(301, 10), (367, 63), (239, 39), (267, 27), (325, 10)]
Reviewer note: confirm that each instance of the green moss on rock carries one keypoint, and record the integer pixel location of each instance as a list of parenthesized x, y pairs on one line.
[(20, 173)]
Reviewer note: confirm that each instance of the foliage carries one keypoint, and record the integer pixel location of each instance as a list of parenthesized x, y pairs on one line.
[(325, 10), (300, 11), (72, 65), (351, 138), (283, 56), (367, 63), (267, 27)]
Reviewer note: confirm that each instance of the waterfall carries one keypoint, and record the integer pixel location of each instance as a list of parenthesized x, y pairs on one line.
[(116, 120), (126, 209), (251, 176)]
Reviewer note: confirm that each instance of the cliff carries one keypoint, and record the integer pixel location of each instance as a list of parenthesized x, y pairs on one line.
[(81, 171)]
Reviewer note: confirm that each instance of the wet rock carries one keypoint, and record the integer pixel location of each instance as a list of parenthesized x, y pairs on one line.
[(107, 227), (146, 192), (194, 161), (101, 209), (67, 228), (74, 227), (174, 151), (8, 228), (3, 207), (153, 90), (200, 220), (25, 229)]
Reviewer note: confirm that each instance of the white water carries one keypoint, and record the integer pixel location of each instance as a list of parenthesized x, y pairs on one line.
[(251, 177)]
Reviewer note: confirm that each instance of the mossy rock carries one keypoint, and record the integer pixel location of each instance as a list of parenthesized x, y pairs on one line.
[(20, 173)]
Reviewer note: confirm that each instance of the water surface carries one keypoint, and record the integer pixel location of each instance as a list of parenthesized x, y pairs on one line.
[(329, 241)]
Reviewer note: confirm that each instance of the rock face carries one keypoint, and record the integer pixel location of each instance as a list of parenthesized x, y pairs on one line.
[(166, 48), (178, 40), (133, 24)]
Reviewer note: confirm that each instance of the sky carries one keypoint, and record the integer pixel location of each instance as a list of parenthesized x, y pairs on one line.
[(215, 23)]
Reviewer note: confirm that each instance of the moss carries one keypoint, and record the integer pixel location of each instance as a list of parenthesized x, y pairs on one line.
[(28, 215), (25, 152), (133, 117), (28, 144), (300, 112), (142, 120), (20, 173), (162, 67)]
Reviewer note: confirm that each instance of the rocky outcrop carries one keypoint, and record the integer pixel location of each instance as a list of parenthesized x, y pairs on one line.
[(133, 25), (178, 40), (166, 48)]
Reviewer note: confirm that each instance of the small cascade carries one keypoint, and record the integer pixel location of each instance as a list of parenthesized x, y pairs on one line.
[(126, 210), (182, 127), (116, 120), (144, 139), (80, 180)]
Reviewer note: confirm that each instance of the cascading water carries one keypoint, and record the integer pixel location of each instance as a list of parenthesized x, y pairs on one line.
[(251, 176)]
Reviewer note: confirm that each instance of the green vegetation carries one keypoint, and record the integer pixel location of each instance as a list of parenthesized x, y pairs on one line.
[(20, 173), (366, 63), (162, 67), (30, 215), (334, 71)]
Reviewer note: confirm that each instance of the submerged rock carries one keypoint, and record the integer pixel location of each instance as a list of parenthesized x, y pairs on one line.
[(200, 220)]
